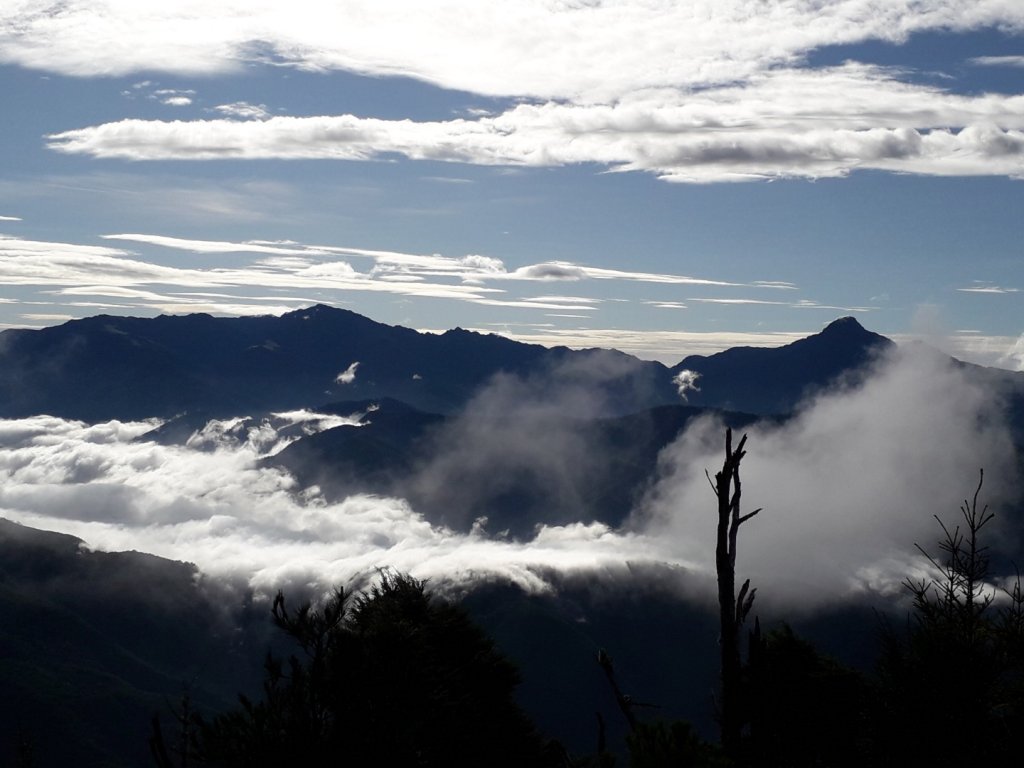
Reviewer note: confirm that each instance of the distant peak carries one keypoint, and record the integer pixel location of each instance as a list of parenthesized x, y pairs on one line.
[(316, 308), (845, 326), (846, 330), (844, 323)]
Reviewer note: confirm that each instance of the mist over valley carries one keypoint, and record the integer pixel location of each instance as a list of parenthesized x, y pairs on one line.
[(560, 495)]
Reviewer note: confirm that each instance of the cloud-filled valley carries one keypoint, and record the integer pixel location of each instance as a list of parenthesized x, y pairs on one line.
[(305, 295), (847, 486)]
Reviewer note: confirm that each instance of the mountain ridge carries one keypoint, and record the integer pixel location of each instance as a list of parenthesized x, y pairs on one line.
[(108, 366)]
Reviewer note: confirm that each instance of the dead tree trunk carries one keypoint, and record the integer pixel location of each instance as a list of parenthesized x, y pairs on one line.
[(733, 608)]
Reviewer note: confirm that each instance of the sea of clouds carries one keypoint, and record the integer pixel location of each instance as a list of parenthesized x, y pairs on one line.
[(848, 487)]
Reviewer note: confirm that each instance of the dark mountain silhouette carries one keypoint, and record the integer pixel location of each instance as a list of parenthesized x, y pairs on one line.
[(93, 643), (126, 367), (759, 380), (399, 451)]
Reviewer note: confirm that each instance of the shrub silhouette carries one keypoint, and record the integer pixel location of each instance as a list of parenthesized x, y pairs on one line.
[(388, 677), (952, 687)]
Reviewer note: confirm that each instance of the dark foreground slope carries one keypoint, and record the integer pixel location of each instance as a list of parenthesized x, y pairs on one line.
[(93, 644)]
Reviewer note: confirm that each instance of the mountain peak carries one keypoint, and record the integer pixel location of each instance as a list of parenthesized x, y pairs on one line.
[(845, 325), (848, 332)]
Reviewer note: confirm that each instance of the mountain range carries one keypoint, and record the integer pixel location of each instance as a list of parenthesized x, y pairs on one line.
[(107, 367), (96, 642)]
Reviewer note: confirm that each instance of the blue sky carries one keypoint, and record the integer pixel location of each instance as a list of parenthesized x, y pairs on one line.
[(661, 177)]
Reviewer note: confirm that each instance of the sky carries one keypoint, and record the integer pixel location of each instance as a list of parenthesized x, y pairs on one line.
[(660, 177)]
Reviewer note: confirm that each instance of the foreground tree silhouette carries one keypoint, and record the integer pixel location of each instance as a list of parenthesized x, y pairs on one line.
[(806, 709), (733, 608), (388, 677), (953, 689)]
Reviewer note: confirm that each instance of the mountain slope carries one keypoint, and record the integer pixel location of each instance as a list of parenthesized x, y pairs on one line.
[(93, 644), (124, 367), (458, 469), (763, 381), (128, 368)]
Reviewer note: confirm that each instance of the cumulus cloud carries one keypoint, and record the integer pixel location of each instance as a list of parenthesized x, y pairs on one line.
[(717, 91), (243, 110), (585, 52), (173, 97), (780, 123), (686, 382), (848, 486), (348, 375)]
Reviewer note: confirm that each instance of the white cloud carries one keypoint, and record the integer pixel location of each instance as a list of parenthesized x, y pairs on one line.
[(243, 110), (980, 287), (214, 246), (532, 48), (471, 268), (699, 92), (534, 303), (998, 61), (49, 318), (784, 123), (217, 508), (799, 304), (578, 300), (1013, 357), (848, 486), (29, 262), (668, 347), (686, 382), (550, 272), (348, 375)]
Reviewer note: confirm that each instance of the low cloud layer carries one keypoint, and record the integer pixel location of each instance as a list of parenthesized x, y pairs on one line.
[(847, 489), (211, 505), (849, 485)]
